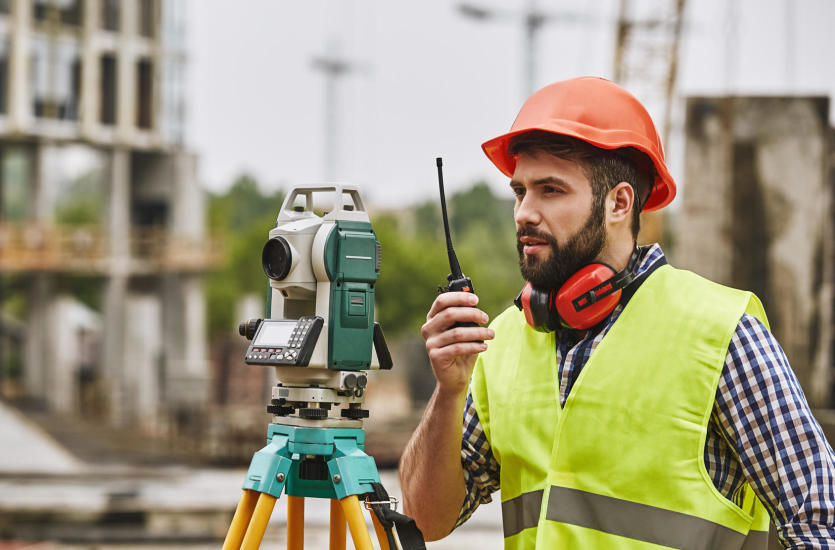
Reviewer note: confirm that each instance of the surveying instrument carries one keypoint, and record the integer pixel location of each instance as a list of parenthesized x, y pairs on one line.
[(322, 260)]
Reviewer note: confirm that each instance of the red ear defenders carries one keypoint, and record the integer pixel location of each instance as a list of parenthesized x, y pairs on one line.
[(585, 299)]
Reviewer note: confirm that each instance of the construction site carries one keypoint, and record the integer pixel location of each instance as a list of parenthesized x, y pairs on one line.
[(126, 423)]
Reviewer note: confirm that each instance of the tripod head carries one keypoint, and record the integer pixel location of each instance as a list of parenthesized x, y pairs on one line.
[(322, 260)]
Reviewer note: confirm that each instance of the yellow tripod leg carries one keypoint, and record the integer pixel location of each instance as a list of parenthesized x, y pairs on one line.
[(356, 523), (381, 533), (258, 524), (337, 526), (295, 523), (240, 521)]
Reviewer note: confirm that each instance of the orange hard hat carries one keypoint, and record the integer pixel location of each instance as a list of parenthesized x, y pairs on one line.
[(596, 111)]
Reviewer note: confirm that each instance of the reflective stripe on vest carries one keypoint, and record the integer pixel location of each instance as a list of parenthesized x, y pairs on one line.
[(645, 523), (521, 512), (626, 519)]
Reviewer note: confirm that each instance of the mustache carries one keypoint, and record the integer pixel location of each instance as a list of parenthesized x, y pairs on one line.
[(536, 234)]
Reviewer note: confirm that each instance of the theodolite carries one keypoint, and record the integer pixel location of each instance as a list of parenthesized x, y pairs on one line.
[(322, 260)]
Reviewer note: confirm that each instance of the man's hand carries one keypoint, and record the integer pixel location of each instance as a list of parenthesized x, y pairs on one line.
[(452, 351)]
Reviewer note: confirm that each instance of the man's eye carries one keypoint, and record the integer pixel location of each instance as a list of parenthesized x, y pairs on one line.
[(518, 191), (550, 189)]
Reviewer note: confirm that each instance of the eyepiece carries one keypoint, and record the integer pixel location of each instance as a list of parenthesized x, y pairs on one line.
[(277, 258)]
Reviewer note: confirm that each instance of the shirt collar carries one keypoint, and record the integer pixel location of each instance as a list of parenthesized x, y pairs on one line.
[(646, 258)]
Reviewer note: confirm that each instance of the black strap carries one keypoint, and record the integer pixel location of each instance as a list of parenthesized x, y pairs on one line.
[(611, 285), (407, 530)]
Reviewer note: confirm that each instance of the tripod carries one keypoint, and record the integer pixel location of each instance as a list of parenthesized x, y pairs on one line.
[(318, 462)]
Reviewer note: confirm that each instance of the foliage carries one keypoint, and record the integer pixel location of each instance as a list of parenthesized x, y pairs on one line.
[(412, 268), (80, 203), (240, 220), (415, 263)]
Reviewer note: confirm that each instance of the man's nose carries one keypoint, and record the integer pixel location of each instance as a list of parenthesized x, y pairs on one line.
[(526, 212)]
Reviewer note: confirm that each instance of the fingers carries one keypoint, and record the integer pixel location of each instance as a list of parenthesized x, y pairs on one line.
[(439, 332), (446, 355), (451, 315), (450, 299), (452, 349), (459, 335)]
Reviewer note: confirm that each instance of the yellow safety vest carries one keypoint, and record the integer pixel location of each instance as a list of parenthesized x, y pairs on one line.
[(621, 466)]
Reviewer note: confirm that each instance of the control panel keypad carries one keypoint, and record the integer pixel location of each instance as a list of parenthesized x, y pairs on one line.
[(295, 350)]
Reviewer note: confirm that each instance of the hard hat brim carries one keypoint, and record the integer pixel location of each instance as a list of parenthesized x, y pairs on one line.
[(664, 188)]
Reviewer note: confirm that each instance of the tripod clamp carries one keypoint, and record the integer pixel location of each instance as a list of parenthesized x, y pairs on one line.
[(392, 503)]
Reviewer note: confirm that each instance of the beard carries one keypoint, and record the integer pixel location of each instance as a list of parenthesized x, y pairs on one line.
[(565, 260)]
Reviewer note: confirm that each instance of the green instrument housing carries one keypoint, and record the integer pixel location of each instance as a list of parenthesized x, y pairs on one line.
[(352, 262)]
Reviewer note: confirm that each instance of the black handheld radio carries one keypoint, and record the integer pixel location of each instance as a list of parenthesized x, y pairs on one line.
[(456, 281)]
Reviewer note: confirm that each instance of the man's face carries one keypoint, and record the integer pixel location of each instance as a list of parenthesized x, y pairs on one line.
[(557, 229)]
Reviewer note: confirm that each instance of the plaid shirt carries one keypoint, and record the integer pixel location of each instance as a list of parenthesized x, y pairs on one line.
[(761, 430)]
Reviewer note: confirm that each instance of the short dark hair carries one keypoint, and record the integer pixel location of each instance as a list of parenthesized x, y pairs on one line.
[(605, 168)]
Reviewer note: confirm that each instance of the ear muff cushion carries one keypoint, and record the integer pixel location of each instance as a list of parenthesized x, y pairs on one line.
[(537, 305), (578, 284)]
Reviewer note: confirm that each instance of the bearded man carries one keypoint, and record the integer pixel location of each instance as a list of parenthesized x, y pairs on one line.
[(623, 403)]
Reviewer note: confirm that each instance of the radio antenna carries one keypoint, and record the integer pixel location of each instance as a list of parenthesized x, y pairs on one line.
[(453, 259)]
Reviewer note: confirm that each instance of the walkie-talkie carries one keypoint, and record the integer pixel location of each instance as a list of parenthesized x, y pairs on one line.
[(456, 281)]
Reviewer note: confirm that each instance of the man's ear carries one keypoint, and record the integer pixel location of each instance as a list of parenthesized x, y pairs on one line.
[(619, 202)]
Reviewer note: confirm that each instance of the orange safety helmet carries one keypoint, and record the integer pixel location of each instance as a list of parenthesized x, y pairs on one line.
[(596, 111)]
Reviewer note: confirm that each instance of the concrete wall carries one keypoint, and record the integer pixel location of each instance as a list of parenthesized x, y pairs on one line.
[(757, 214)]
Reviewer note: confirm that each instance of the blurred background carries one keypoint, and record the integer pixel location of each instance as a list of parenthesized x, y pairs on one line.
[(146, 146)]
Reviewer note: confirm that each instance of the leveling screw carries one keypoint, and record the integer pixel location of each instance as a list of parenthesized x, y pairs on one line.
[(337, 478), (280, 478)]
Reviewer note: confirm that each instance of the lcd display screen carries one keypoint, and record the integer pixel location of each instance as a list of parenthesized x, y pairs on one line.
[(274, 333)]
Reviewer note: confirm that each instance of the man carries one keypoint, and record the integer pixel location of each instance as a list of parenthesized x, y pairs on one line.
[(629, 404)]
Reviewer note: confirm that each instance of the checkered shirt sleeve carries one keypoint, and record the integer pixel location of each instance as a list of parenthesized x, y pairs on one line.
[(481, 469), (778, 445)]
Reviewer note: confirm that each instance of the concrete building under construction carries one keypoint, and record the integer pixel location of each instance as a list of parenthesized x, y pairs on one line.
[(98, 192)]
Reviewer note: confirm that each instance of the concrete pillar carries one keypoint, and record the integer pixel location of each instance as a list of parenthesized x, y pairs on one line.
[(115, 293), (38, 349), (703, 241), (90, 90), (68, 320), (118, 219), (20, 96), (188, 203), (142, 356), (45, 183), (186, 366), (113, 347), (757, 215), (126, 71)]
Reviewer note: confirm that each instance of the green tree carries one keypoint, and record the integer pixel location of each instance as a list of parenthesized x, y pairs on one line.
[(82, 201), (415, 262), (478, 206), (240, 219), (412, 268)]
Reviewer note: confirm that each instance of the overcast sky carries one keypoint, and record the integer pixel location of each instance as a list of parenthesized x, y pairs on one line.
[(429, 82)]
